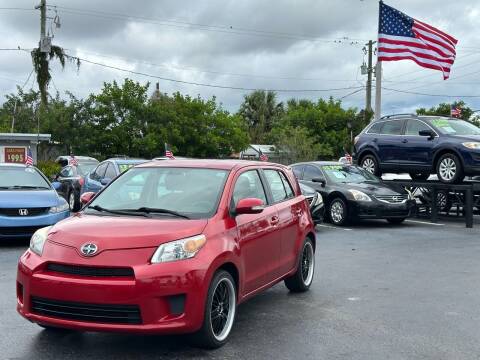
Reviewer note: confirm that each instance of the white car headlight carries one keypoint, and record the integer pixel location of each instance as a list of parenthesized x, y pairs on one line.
[(179, 249), (319, 199), (359, 196), (60, 208), (472, 145), (38, 239)]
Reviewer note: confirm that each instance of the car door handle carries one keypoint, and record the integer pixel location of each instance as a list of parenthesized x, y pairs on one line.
[(299, 212), (274, 220), (404, 141)]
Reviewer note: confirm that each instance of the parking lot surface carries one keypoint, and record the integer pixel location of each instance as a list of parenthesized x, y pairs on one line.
[(380, 292)]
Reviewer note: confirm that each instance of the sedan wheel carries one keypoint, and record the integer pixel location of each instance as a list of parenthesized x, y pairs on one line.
[(71, 200), (338, 212)]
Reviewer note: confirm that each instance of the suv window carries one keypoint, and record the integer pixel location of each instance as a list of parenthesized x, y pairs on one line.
[(276, 185), (392, 127), (99, 172), (297, 171), (376, 128), (110, 173), (414, 126), (312, 172), (248, 185)]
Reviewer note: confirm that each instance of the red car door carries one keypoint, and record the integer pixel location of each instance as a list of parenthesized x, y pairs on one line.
[(258, 238), (290, 208)]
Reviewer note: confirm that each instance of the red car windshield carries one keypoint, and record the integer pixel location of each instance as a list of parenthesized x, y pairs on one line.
[(192, 192)]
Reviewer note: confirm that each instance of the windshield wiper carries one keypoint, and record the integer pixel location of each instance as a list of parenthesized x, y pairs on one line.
[(149, 210), (117, 212), (15, 187)]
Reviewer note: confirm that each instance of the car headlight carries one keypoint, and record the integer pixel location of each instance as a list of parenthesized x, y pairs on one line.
[(359, 196), (318, 200), (472, 145), (179, 249), (38, 239), (60, 208)]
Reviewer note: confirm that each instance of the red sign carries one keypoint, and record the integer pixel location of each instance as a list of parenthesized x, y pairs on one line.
[(15, 155)]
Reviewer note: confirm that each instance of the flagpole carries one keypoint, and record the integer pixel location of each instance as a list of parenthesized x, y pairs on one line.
[(378, 90)]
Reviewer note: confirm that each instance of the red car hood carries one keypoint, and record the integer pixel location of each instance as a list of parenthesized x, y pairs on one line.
[(112, 233)]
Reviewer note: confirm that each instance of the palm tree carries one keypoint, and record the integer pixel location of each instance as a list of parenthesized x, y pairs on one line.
[(260, 111)]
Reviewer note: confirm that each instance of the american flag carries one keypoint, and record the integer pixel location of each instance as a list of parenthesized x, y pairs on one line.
[(73, 161), (262, 156), (455, 111), (168, 152), (29, 158), (401, 37), (348, 157)]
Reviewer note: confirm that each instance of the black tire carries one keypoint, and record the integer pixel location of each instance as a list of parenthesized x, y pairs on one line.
[(76, 200), (396, 220), (420, 176), (450, 169), (303, 277), (207, 337), (338, 212), (370, 163)]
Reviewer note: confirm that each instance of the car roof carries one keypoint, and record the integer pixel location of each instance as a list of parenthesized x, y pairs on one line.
[(319, 163), (227, 164), (13, 165), (80, 158), (413, 116), (127, 161)]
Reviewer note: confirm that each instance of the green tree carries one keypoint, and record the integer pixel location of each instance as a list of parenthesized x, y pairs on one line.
[(261, 111), (443, 109)]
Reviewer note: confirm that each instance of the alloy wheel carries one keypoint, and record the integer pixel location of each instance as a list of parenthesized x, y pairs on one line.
[(336, 212), (308, 263), (447, 169), (222, 310), (369, 165), (71, 200)]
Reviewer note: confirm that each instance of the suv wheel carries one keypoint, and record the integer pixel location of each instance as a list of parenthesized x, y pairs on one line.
[(370, 163), (419, 176), (449, 169), (303, 277), (219, 312)]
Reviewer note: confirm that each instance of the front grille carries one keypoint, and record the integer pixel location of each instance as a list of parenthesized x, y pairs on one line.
[(98, 313), (23, 212), (19, 230), (91, 271), (392, 199)]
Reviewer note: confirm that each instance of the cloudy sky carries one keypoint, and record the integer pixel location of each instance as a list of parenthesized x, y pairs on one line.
[(249, 44)]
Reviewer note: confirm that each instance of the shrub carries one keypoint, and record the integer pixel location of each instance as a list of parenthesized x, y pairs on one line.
[(49, 168)]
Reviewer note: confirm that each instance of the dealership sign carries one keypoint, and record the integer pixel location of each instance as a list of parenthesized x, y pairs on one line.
[(14, 154)]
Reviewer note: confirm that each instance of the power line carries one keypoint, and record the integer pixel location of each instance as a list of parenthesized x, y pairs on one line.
[(434, 95)]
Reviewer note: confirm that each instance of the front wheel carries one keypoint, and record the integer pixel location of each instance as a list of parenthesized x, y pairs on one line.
[(219, 312), (303, 277), (72, 201), (449, 169), (338, 212)]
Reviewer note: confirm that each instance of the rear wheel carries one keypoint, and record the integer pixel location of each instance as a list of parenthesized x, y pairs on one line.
[(338, 212), (303, 277), (449, 169), (420, 176), (219, 312), (396, 220), (370, 163)]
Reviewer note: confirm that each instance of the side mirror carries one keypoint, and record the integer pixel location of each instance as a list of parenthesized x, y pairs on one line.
[(56, 185), (105, 181), (322, 181), (249, 206), (85, 198), (428, 133)]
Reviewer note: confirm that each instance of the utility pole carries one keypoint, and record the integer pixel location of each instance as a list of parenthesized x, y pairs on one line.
[(378, 91), (368, 106)]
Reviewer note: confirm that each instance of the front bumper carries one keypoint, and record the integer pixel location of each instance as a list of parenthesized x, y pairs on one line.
[(379, 210), (22, 227), (169, 297)]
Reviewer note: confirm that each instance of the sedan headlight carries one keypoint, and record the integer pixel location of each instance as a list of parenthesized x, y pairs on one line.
[(472, 145), (38, 239), (359, 196), (318, 200), (179, 249), (60, 208)]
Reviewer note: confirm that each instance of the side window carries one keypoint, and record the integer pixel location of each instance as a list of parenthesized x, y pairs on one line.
[(414, 126), (376, 128), (99, 172), (393, 127), (110, 173), (276, 185), (297, 171), (66, 171), (312, 172), (248, 185), (287, 186)]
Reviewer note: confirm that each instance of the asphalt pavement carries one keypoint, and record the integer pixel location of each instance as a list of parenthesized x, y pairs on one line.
[(380, 292)]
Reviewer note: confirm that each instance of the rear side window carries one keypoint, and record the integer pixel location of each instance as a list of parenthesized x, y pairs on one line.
[(286, 185), (248, 185), (414, 127), (276, 184), (375, 128), (393, 127)]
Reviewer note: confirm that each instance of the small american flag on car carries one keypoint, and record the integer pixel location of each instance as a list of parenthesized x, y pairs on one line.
[(262, 156), (168, 152), (348, 157), (29, 158), (401, 37), (72, 161), (455, 111)]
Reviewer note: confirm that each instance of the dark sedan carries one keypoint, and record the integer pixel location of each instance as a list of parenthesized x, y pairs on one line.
[(315, 202), (350, 193)]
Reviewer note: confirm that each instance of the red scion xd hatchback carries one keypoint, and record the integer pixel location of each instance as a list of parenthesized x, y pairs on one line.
[(170, 247)]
